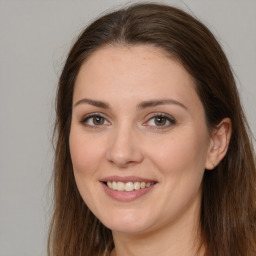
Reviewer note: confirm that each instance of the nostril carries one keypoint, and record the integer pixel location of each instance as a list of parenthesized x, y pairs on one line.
[(125, 157), (124, 149)]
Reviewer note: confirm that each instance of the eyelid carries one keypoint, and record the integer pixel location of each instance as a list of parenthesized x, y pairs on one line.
[(151, 116), (169, 118), (94, 114)]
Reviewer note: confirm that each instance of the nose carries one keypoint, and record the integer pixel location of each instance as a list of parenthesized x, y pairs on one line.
[(124, 148)]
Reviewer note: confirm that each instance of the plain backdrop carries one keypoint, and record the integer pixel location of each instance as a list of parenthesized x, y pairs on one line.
[(35, 37)]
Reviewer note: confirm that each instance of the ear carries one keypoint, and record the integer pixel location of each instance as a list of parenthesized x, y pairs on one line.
[(218, 146)]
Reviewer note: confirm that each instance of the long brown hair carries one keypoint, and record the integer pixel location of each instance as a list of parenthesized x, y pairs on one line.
[(228, 209)]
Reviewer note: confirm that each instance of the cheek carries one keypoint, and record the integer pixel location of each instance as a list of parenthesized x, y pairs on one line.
[(85, 152), (180, 161), (182, 153), (86, 155)]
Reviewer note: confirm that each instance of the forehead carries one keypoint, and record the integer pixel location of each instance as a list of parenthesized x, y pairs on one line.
[(138, 72)]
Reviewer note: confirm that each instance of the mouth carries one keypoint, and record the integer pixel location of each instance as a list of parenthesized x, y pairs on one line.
[(127, 188)]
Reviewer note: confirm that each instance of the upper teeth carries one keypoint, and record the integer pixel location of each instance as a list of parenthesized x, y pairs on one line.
[(128, 186)]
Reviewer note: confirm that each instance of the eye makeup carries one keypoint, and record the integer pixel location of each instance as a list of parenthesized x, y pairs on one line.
[(95, 120), (160, 121)]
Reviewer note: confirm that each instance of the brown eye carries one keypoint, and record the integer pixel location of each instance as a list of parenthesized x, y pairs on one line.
[(95, 120), (160, 121), (98, 120)]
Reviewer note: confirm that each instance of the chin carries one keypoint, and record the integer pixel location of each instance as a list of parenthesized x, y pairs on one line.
[(127, 223), (127, 228)]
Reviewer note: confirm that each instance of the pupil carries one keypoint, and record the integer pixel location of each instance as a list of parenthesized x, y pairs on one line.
[(160, 121), (98, 120)]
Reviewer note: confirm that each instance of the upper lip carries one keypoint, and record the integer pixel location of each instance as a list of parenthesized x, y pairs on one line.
[(126, 179)]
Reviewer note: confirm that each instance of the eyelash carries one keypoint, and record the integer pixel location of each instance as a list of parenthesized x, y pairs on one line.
[(167, 118), (91, 116)]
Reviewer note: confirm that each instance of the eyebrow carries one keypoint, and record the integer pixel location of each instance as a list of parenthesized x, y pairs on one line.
[(96, 103), (142, 105), (154, 103)]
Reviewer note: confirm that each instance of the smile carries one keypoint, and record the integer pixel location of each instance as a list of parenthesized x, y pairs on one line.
[(128, 186)]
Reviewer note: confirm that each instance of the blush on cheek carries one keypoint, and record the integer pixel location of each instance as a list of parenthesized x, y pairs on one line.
[(178, 157), (85, 156), (83, 161)]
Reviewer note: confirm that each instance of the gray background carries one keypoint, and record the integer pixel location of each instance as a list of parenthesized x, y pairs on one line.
[(34, 39)]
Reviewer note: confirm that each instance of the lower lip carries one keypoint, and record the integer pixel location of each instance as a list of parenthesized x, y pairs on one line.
[(124, 195)]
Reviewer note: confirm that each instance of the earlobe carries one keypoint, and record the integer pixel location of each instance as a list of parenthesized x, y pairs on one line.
[(219, 143)]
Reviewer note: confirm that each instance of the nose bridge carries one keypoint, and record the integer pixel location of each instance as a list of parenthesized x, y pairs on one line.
[(124, 148)]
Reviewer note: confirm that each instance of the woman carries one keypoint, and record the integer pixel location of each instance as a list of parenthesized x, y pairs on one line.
[(153, 151)]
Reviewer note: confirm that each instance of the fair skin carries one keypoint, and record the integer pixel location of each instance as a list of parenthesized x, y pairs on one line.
[(136, 117)]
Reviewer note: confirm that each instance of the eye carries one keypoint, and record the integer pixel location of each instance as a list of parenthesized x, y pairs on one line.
[(94, 120), (160, 121)]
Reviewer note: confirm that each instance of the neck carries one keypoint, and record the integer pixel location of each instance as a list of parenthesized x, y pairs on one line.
[(177, 238)]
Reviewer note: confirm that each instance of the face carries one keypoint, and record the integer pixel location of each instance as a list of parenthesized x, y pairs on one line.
[(138, 141)]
